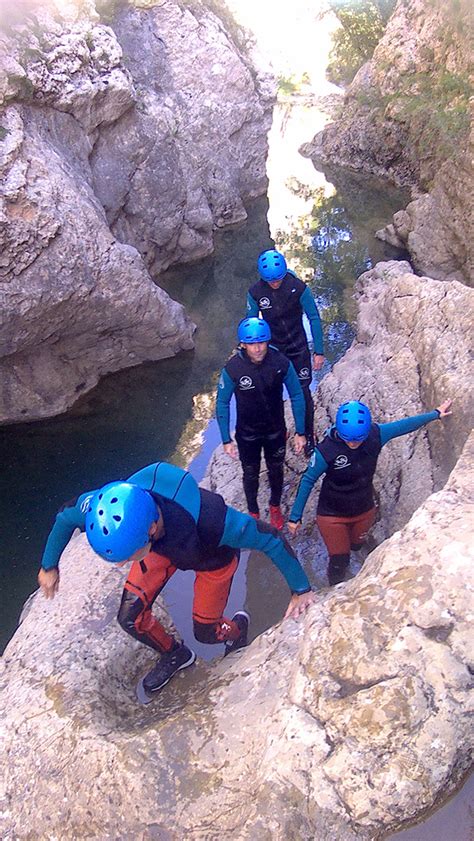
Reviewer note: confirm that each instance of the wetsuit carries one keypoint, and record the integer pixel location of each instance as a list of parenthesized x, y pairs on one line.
[(283, 310), (258, 390), (346, 508), (201, 533)]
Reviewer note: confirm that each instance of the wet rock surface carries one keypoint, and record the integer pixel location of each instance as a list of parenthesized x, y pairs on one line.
[(120, 152), (341, 725)]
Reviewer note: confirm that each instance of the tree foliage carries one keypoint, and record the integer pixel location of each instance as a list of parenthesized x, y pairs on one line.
[(362, 25)]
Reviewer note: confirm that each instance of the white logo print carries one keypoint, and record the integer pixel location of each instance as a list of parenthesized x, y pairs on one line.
[(340, 462), (85, 504), (264, 304), (221, 382), (246, 383), (304, 373)]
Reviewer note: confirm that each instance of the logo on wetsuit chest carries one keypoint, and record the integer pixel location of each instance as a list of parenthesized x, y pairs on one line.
[(265, 304), (340, 462), (304, 373), (245, 383), (85, 504)]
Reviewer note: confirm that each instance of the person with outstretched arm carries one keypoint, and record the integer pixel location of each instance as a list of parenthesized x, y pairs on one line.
[(255, 374), (347, 456), (160, 520), (282, 298)]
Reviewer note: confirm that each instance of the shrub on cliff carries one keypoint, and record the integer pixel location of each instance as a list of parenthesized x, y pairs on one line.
[(362, 25)]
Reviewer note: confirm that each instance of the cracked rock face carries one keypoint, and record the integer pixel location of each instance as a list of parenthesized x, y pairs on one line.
[(340, 726), (398, 121), (109, 171)]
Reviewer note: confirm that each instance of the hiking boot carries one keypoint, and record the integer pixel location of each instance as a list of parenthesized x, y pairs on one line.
[(337, 572), (276, 517), (242, 620), (170, 662), (256, 516)]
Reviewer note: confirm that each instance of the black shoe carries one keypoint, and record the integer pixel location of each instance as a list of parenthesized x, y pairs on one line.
[(337, 573), (170, 662), (242, 619)]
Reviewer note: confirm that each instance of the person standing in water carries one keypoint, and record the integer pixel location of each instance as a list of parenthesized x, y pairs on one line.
[(159, 520), (255, 374), (347, 456), (282, 298)]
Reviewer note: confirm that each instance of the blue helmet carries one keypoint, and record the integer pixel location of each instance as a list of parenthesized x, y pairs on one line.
[(353, 421), (272, 265), (252, 330), (118, 519)]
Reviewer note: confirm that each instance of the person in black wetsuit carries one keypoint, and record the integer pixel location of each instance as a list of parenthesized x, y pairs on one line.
[(255, 374), (282, 298), (348, 457), (161, 521)]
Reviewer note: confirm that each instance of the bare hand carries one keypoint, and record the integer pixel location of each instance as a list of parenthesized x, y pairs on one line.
[(298, 443), (293, 527), (444, 408), (48, 579), (318, 361), (298, 604), (230, 449)]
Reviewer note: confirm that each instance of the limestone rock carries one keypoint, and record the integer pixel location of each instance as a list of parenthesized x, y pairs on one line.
[(406, 115), (412, 351), (108, 171), (340, 726)]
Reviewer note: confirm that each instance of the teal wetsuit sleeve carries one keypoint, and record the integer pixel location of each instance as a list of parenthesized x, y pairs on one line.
[(67, 521), (401, 427), (252, 306), (317, 466), (311, 311), (297, 398), (225, 390), (243, 532)]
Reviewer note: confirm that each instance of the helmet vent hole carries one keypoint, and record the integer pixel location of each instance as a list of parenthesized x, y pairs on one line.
[(117, 518), (105, 530), (91, 526), (108, 551), (100, 496), (114, 499), (90, 509), (101, 512)]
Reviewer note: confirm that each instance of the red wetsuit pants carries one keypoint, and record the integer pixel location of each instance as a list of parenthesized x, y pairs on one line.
[(211, 591), (341, 534)]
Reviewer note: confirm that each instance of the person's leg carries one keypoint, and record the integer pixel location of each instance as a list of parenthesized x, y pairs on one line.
[(145, 581), (336, 535), (359, 528), (274, 448), (249, 454), (211, 591)]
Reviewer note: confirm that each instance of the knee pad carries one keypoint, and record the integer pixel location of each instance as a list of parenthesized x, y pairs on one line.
[(205, 632), (130, 608)]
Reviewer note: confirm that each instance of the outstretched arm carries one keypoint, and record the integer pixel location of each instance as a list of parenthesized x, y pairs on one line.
[(67, 521), (243, 532), (395, 429), (310, 309), (317, 466), (297, 398), (225, 390)]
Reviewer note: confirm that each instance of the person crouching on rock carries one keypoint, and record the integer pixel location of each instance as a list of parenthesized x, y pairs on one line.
[(161, 521), (348, 457), (255, 374)]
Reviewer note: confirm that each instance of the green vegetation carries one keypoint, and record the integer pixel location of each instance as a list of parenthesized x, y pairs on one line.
[(437, 108), (293, 84), (362, 25)]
